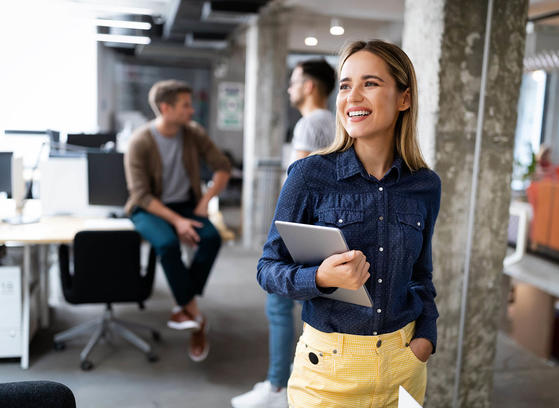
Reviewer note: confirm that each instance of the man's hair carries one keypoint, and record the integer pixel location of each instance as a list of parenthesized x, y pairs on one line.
[(321, 72), (166, 91)]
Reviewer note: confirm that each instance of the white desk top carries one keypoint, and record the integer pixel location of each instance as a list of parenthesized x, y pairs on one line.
[(57, 229), (536, 271)]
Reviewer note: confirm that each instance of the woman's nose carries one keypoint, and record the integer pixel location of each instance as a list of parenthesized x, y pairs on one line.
[(355, 94)]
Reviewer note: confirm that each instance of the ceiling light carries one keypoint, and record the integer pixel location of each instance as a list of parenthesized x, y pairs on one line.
[(336, 27), (134, 25), (311, 41), (117, 9), (126, 39)]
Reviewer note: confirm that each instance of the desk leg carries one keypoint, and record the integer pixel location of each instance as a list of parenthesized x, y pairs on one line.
[(44, 285), (25, 309)]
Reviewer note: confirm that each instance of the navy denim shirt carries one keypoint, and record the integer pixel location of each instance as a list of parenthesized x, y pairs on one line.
[(391, 221)]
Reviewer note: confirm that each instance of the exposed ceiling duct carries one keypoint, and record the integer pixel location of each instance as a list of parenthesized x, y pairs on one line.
[(207, 24)]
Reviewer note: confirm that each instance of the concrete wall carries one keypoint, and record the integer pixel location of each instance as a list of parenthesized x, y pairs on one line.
[(229, 68), (469, 147)]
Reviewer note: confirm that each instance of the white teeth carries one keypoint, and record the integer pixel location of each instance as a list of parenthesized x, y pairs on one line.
[(359, 113)]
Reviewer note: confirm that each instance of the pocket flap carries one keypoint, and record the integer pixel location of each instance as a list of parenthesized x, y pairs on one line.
[(413, 220), (340, 217)]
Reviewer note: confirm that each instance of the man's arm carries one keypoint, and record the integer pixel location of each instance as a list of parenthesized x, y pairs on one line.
[(185, 227), (219, 182)]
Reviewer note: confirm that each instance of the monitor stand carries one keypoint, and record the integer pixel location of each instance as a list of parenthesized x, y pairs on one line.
[(21, 219)]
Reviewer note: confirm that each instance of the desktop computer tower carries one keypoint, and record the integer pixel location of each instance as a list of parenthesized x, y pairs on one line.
[(10, 311), (11, 302)]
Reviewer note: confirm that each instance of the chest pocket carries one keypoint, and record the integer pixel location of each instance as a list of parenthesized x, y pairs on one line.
[(339, 217), (411, 225)]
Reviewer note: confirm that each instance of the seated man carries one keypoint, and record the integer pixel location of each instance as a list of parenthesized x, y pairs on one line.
[(166, 204)]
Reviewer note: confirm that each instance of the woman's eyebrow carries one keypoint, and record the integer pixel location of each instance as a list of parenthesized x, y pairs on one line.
[(364, 77), (372, 77)]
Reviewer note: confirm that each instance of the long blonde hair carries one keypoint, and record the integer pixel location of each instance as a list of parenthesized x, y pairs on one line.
[(401, 69)]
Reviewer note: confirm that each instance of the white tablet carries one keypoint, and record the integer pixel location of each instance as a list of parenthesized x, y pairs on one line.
[(311, 244)]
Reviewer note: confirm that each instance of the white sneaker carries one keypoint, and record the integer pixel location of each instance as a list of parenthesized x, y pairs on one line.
[(261, 396)]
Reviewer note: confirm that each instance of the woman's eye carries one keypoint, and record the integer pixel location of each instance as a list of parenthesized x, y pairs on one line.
[(344, 86), (370, 83)]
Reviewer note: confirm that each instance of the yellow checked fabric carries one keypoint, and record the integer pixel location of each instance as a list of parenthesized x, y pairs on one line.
[(345, 370)]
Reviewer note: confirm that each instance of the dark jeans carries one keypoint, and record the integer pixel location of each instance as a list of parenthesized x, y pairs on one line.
[(185, 282)]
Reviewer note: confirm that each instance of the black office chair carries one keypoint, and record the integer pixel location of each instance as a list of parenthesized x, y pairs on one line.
[(32, 394), (106, 270)]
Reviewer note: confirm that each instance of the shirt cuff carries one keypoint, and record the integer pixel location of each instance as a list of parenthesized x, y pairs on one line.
[(426, 328), (305, 282)]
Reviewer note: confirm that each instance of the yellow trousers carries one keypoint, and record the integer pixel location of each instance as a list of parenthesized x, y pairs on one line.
[(346, 370)]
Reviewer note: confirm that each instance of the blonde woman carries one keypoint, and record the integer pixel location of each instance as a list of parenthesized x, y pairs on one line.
[(374, 185)]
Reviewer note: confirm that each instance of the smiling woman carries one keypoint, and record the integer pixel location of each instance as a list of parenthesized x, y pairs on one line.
[(388, 73), (351, 355)]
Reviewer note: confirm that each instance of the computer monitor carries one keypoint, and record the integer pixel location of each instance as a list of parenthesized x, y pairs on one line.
[(106, 180), (6, 173), (93, 140)]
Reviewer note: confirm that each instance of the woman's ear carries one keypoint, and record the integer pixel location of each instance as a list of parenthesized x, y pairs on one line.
[(404, 100)]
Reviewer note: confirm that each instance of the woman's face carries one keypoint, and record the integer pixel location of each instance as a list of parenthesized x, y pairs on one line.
[(368, 101)]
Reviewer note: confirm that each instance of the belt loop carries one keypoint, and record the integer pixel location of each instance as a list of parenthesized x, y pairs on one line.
[(403, 337), (340, 344)]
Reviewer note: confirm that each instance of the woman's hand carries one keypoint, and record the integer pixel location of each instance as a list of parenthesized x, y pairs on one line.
[(349, 270), (422, 348)]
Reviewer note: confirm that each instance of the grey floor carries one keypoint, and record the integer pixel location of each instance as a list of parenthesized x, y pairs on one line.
[(234, 305)]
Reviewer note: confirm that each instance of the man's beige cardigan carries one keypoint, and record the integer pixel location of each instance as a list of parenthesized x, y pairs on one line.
[(144, 169)]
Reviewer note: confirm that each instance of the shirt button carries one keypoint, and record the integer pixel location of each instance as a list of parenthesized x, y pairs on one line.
[(381, 249), (379, 310), (381, 218), (380, 189), (374, 333), (418, 224), (379, 281), (340, 221)]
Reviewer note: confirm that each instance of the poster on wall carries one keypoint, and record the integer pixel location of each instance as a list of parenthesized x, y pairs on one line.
[(230, 106)]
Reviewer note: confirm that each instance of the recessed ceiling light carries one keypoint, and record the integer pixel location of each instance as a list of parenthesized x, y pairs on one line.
[(126, 39), (311, 41), (117, 9), (134, 25)]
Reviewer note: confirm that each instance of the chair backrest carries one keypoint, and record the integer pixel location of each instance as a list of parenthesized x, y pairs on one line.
[(107, 268), (31, 394)]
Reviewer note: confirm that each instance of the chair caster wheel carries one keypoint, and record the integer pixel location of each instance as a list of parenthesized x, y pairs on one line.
[(59, 345), (152, 357), (86, 365), (156, 336)]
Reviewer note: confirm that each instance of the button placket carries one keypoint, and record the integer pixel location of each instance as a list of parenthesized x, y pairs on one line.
[(381, 241)]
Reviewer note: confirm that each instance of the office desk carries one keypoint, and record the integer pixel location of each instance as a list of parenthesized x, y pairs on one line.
[(49, 230), (532, 314)]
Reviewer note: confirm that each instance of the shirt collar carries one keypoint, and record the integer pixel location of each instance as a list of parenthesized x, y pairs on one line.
[(347, 165)]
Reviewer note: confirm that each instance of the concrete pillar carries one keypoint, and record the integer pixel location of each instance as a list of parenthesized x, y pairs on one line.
[(468, 117), (265, 121)]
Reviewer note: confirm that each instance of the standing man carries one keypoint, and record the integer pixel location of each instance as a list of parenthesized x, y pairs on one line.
[(310, 85), (166, 203)]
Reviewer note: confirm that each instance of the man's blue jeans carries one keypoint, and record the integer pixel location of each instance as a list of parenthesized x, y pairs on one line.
[(185, 282), (280, 318)]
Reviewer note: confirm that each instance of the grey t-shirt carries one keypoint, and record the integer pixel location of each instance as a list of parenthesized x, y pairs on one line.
[(176, 183), (314, 131)]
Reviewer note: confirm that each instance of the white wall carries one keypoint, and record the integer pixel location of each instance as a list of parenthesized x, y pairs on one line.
[(48, 69)]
